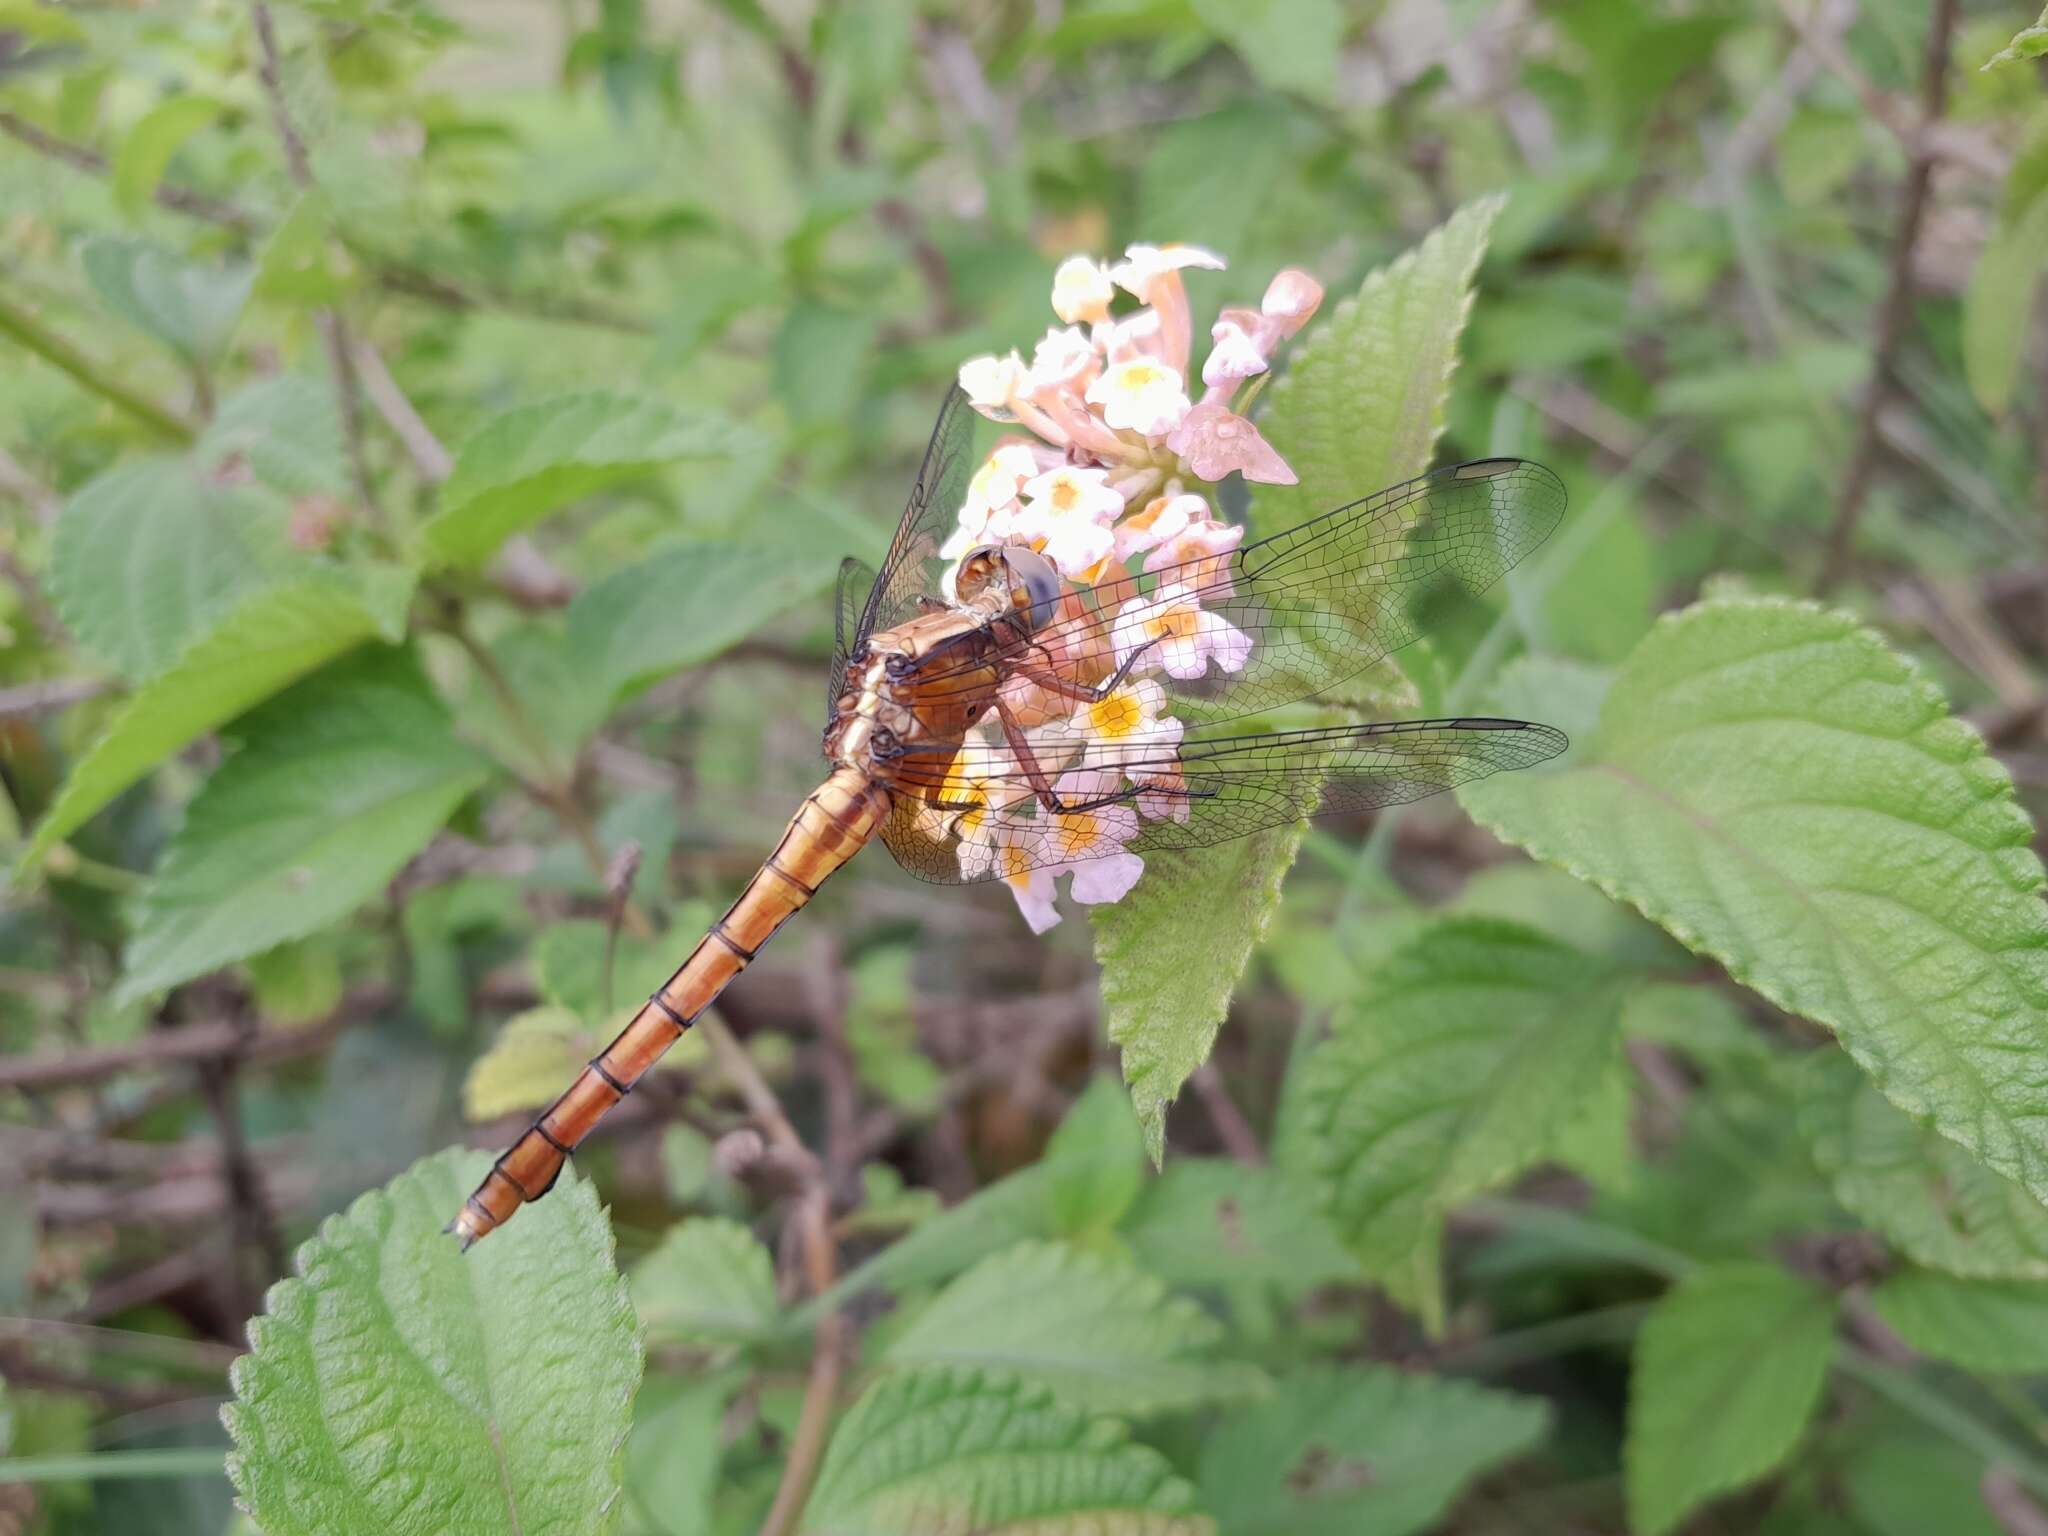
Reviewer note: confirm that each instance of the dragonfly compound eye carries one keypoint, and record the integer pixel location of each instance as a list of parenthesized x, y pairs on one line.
[(1034, 585)]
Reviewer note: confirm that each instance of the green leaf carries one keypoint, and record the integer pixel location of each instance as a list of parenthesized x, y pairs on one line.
[(1999, 1327), (1361, 406), (536, 458), (1290, 45), (2027, 43), (688, 602), (1362, 403), (1100, 1332), (940, 1452), (1783, 793), (399, 1384), (145, 556), (1359, 1451), (1916, 1188), (302, 263), (1728, 1370), (271, 638), (147, 150), (673, 1454), (569, 962), (1998, 305), (1207, 1221), (335, 785), (286, 430), (535, 1056), (1468, 1053), (709, 1281), (190, 309), (1171, 953), (1207, 177), (1095, 1161)]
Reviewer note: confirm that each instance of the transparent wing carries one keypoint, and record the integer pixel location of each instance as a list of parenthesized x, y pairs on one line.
[(911, 568), (1319, 603), (856, 581), (1149, 799)]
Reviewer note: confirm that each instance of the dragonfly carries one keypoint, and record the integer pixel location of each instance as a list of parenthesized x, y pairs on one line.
[(929, 651)]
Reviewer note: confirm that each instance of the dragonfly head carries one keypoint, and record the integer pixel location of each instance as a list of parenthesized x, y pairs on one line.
[(1031, 580)]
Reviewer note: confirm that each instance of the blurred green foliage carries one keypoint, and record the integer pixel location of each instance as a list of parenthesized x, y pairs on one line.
[(407, 505)]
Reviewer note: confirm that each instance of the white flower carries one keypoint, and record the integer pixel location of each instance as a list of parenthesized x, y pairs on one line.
[(992, 382), (1070, 491), (1201, 552), (1163, 519), (1081, 291), (1144, 265), (1187, 636), (981, 783), (1234, 356), (1142, 395), (1063, 356), (1131, 726), (1136, 335), (1029, 855)]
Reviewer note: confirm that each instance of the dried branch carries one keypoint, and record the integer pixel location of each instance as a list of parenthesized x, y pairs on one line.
[(332, 325), (433, 461), (183, 1046), (41, 698), (1232, 1129), (1894, 307), (22, 327), (813, 1221), (167, 194)]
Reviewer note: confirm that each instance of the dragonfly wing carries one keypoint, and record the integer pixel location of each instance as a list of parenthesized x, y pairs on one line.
[(1212, 789), (1321, 602), (856, 581), (910, 569)]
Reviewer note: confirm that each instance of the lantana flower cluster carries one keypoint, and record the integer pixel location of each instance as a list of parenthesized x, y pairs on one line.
[(1107, 477)]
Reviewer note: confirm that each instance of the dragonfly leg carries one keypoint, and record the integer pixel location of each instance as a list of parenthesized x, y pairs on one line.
[(1048, 677), (1041, 783), (1027, 760)]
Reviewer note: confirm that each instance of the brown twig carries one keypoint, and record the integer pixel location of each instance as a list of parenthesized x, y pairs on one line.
[(429, 457), (1893, 309), (252, 1224), (332, 325), (41, 698), (167, 194), (1232, 1129), (189, 1043), (813, 1222)]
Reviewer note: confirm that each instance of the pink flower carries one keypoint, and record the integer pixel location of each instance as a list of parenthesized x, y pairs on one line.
[(1187, 636), (1234, 355), (1163, 519), (1147, 270), (1292, 299), (1201, 552), (1212, 440)]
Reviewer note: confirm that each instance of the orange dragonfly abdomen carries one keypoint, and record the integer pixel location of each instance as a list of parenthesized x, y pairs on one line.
[(834, 823)]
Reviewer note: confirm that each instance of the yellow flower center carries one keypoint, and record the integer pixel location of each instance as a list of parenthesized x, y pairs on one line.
[(1016, 862), (1176, 623), (1141, 376), (1116, 716), (1066, 495)]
